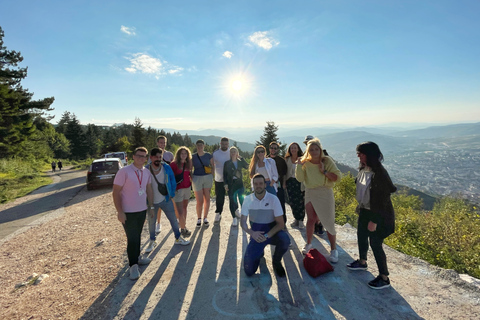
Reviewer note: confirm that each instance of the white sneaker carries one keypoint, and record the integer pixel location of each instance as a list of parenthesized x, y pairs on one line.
[(234, 222), (152, 244), (218, 216), (307, 247), (182, 241), (301, 225), (334, 256), (199, 223), (205, 222), (134, 273), (158, 227), (144, 261), (237, 213)]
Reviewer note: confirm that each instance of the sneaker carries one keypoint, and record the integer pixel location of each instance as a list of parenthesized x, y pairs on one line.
[(301, 225), (378, 283), (319, 230), (237, 213), (185, 232), (199, 223), (182, 241), (152, 244), (307, 247), (279, 270), (134, 273), (205, 222), (218, 216), (356, 265), (334, 256), (294, 224), (234, 222), (157, 228), (143, 261)]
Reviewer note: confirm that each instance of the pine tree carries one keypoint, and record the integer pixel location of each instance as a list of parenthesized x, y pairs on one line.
[(269, 135), (138, 134), (18, 110)]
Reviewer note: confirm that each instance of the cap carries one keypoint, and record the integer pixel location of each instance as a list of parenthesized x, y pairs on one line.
[(308, 138)]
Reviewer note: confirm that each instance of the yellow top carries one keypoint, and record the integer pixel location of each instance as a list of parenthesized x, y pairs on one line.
[(310, 174)]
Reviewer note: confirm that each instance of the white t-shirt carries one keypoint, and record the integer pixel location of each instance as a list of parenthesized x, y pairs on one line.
[(219, 159), (364, 179), (157, 196), (262, 211), (168, 156)]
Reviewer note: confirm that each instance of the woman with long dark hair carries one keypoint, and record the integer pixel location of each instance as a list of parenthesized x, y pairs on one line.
[(264, 166), (294, 189), (376, 217), (319, 174)]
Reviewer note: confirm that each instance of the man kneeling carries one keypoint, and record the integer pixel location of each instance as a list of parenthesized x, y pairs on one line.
[(266, 221)]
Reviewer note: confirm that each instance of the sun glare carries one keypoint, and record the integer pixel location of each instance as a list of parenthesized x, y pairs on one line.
[(237, 85)]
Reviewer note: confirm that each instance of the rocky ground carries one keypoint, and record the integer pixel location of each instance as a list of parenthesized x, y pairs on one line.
[(82, 250)]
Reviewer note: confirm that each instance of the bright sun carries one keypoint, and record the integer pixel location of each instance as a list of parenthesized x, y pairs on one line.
[(237, 85)]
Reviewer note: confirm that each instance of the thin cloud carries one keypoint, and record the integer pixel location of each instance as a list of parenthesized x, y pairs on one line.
[(263, 39), (127, 30), (228, 54), (143, 63)]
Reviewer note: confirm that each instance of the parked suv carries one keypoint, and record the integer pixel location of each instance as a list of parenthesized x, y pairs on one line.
[(121, 155), (102, 172)]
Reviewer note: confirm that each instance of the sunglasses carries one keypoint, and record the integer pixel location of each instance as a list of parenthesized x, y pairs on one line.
[(261, 151)]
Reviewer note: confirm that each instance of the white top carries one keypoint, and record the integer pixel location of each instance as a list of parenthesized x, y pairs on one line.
[(157, 196), (219, 159), (272, 173), (167, 156), (364, 179), (262, 211)]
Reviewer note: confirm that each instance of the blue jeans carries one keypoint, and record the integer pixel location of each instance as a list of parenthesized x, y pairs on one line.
[(254, 251), (166, 207), (270, 188)]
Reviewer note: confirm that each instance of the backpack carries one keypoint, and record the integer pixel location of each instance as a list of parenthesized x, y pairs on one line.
[(316, 264)]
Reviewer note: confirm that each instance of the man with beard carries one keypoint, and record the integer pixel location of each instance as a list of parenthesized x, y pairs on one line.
[(282, 171), (220, 156), (163, 186), (266, 221), (131, 190), (167, 157)]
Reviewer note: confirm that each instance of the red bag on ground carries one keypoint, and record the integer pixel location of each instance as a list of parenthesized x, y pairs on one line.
[(316, 264)]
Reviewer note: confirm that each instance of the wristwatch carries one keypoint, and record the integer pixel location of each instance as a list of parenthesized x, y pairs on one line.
[(152, 208), (266, 236), (325, 172)]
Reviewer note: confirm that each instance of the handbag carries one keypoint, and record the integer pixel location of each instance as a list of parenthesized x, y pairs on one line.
[(179, 177), (316, 264), (162, 187), (207, 169)]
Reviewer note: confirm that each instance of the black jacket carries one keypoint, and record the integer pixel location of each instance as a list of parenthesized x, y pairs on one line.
[(229, 171)]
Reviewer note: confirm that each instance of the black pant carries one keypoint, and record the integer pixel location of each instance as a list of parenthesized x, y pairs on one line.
[(133, 229), (376, 242), (281, 197), (219, 196)]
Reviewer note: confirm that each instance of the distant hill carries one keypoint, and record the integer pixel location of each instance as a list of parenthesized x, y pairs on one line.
[(211, 140), (448, 131)]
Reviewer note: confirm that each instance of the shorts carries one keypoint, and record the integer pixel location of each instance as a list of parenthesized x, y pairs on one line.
[(202, 182), (182, 194)]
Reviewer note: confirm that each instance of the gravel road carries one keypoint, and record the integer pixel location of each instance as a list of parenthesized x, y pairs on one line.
[(82, 249)]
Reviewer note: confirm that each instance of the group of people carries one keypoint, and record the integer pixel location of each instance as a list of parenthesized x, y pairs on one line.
[(304, 180), (55, 164)]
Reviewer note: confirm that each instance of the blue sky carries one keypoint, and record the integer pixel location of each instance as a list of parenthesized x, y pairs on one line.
[(297, 63)]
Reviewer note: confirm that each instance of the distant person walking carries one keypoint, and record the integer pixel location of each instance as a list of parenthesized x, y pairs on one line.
[(131, 192), (233, 180), (282, 172), (376, 217), (167, 157), (202, 180), (220, 156), (266, 227), (182, 168), (266, 167), (319, 173), (54, 165), (60, 165), (294, 189), (163, 186)]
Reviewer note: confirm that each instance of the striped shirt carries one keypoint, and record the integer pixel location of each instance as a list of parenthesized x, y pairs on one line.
[(262, 211)]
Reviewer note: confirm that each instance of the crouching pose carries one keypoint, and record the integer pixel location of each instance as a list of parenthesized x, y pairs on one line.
[(266, 221)]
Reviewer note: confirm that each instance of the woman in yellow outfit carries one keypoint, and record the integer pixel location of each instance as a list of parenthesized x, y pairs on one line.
[(319, 173)]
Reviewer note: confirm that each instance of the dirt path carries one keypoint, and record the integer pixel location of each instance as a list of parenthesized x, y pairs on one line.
[(83, 252)]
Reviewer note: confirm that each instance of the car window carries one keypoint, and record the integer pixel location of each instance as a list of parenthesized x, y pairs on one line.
[(120, 155), (105, 165)]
